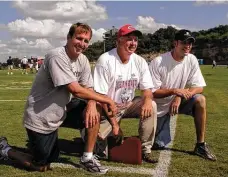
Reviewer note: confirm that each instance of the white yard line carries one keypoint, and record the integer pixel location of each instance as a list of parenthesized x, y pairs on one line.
[(143, 171), (161, 169), (10, 100), (15, 88)]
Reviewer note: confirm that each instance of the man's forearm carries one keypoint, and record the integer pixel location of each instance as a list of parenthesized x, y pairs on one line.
[(196, 90), (91, 102), (111, 120), (162, 93), (147, 94), (84, 93)]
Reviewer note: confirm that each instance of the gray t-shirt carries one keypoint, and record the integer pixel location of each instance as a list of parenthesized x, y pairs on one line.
[(45, 107)]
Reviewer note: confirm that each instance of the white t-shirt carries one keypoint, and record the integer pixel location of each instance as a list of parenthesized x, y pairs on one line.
[(168, 73), (24, 61), (118, 80)]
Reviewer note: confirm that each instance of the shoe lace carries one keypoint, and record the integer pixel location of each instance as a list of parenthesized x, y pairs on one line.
[(95, 160)]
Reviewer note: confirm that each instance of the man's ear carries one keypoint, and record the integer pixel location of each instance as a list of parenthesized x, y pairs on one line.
[(175, 43)]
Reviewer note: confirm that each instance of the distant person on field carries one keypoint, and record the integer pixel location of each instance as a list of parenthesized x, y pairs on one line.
[(214, 64), (19, 65), (65, 73), (30, 64), (10, 65), (178, 90), (24, 62), (117, 74), (35, 64)]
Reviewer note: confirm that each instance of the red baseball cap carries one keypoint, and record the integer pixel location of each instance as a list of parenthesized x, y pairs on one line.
[(126, 29)]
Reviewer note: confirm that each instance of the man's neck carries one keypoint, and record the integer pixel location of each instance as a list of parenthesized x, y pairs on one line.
[(69, 54), (176, 56), (124, 57)]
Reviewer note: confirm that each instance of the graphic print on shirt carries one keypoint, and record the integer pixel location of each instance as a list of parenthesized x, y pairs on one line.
[(75, 70), (126, 88)]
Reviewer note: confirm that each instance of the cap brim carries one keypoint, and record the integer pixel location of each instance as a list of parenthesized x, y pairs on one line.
[(192, 39), (135, 32)]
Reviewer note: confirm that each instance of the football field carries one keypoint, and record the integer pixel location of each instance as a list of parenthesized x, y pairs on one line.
[(175, 162)]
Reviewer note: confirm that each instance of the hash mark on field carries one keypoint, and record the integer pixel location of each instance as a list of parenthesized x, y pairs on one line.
[(161, 169)]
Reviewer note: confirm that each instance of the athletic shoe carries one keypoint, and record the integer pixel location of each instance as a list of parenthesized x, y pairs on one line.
[(204, 152), (93, 165), (146, 157), (3, 146)]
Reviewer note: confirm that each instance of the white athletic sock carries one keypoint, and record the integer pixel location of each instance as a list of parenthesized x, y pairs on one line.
[(5, 151), (87, 156)]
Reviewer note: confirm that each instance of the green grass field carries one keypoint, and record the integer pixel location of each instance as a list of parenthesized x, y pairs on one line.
[(16, 88)]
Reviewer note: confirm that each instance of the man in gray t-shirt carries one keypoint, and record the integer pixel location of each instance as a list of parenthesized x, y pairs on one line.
[(65, 73)]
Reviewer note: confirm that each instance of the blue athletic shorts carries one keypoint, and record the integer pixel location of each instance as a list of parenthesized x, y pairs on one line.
[(163, 137)]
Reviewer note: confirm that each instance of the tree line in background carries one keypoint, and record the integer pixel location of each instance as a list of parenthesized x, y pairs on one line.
[(211, 44)]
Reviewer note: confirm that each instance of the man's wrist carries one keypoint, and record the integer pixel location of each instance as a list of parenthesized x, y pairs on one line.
[(92, 102), (173, 91), (113, 122)]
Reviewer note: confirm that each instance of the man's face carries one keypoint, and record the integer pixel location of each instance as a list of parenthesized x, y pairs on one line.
[(128, 43), (183, 47), (78, 43)]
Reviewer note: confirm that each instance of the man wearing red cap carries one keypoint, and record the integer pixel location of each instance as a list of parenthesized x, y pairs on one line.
[(118, 73), (178, 86)]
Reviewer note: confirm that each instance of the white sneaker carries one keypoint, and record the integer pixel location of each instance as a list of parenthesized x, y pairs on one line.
[(4, 148), (93, 165)]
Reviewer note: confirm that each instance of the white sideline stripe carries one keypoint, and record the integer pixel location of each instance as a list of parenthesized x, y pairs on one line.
[(15, 88), (143, 171), (162, 168), (10, 100)]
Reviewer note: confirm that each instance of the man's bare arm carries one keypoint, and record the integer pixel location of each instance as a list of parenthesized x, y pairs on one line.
[(78, 91)]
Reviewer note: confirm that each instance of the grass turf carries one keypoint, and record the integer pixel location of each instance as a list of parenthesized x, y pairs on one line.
[(15, 87)]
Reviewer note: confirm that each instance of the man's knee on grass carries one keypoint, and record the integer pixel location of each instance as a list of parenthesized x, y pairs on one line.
[(200, 101)]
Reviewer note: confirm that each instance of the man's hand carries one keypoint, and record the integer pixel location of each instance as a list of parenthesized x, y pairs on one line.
[(115, 129), (174, 107), (112, 106), (117, 134), (91, 114), (146, 110), (184, 93)]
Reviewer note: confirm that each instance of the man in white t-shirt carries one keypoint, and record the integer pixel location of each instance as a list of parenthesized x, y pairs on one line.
[(117, 74), (178, 86), (65, 73), (24, 62)]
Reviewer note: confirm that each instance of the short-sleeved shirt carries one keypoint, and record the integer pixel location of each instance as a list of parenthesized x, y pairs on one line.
[(119, 81), (9, 62), (24, 61), (168, 73), (45, 107)]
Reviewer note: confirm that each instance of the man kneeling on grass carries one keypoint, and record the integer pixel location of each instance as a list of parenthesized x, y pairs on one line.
[(171, 73), (65, 71), (117, 74)]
